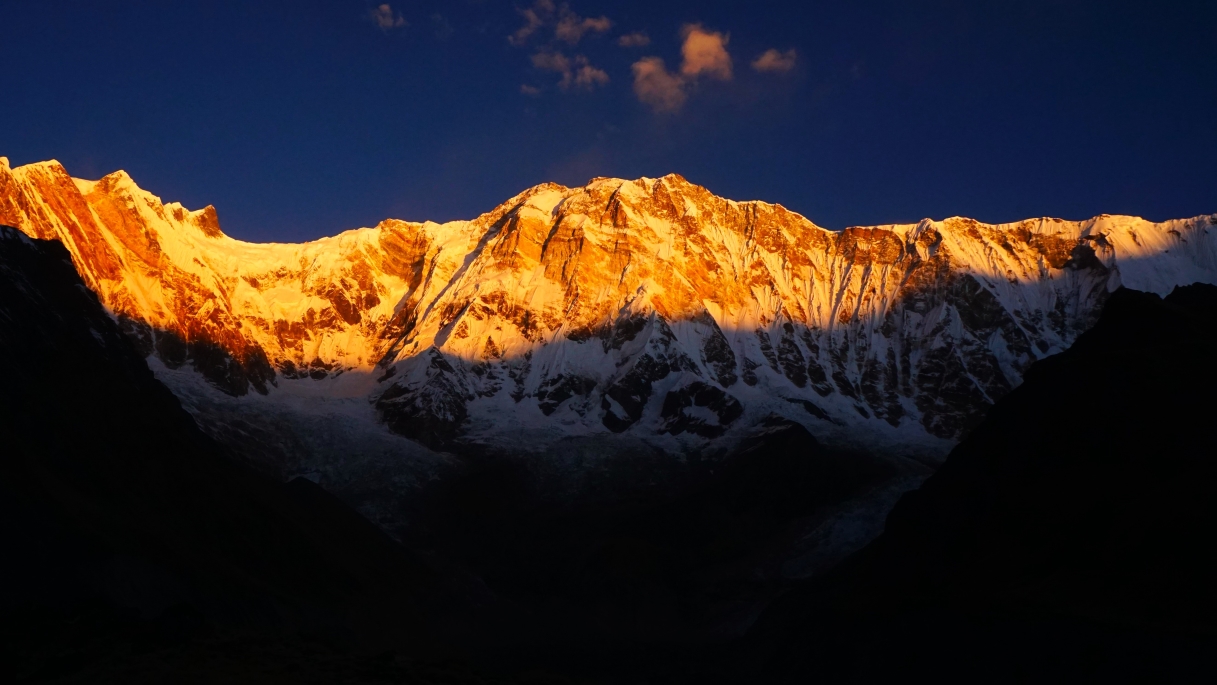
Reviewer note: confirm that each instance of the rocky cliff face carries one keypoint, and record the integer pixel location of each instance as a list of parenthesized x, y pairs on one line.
[(648, 307)]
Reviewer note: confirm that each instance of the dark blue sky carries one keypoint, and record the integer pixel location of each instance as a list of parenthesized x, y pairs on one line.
[(303, 118)]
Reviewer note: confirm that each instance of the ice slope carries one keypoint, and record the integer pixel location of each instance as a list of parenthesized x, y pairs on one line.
[(649, 308)]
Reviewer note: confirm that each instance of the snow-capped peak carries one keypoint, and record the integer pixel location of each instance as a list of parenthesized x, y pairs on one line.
[(649, 306)]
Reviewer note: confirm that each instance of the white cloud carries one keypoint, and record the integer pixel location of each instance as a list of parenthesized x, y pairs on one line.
[(773, 60), (656, 86), (385, 18), (705, 52), (636, 39)]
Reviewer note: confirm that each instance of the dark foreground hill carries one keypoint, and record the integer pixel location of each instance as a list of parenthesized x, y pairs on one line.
[(1068, 538), (135, 550)]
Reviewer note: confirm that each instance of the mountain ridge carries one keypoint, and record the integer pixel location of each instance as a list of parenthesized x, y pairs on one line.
[(651, 307)]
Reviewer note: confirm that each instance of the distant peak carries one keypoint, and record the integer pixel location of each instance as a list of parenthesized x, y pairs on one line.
[(546, 187), (208, 222), (117, 179), (51, 166)]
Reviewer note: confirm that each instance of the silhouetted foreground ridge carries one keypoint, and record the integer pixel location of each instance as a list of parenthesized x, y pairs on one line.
[(1068, 536), (127, 532)]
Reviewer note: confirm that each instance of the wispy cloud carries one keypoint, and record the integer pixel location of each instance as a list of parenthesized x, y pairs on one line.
[(555, 28), (567, 26), (657, 87), (705, 52), (534, 18), (386, 18), (571, 26), (551, 61), (637, 39), (530, 90), (576, 73), (588, 76), (773, 60)]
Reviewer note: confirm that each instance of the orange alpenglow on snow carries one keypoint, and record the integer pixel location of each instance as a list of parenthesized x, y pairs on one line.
[(648, 305)]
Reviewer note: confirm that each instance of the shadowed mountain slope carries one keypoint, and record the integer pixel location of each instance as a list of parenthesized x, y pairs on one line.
[(125, 529), (1066, 537)]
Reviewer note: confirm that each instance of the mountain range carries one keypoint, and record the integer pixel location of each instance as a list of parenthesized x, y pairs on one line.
[(649, 309), (607, 430)]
